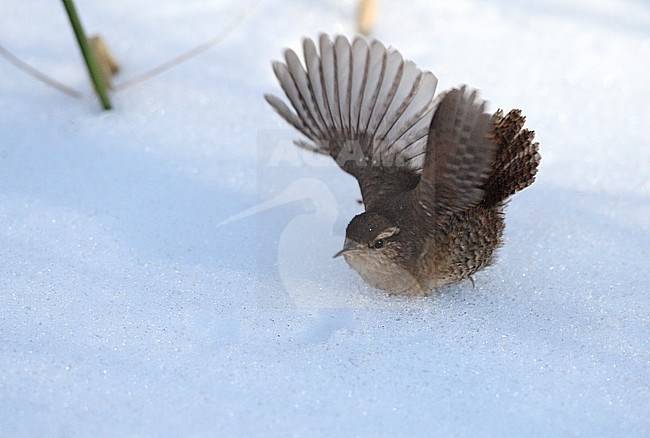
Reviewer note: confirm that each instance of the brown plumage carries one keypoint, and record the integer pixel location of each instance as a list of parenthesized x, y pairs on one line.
[(434, 179)]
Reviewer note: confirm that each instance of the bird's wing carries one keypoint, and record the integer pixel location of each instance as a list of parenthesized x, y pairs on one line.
[(460, 153), (360, 103)]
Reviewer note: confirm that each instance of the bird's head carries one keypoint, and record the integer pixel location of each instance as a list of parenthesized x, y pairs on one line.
[(373, 239), (382, 252)]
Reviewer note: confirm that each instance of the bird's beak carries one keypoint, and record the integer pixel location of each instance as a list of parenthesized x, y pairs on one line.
[(348, 247)]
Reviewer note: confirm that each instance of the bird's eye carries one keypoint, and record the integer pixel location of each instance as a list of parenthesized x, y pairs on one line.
[(379, 243)]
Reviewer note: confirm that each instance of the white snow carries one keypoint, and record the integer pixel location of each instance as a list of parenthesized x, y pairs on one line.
[(128, 306)]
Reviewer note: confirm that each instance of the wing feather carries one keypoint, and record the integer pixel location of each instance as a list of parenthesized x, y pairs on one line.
[(311, 114), (312, 61), (359, 94), (360, 62), (460, 153), (329, 81), (343, 53)]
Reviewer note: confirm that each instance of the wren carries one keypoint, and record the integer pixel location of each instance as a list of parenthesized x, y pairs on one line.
[(434, 174)]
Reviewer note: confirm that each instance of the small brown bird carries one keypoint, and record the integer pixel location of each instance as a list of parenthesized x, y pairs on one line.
[(434, 174)]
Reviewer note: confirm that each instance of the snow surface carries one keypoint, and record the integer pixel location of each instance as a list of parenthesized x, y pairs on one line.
[(130, 305)]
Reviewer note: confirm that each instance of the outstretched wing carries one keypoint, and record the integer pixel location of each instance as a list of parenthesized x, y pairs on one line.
[(362, 104), (460, 153)]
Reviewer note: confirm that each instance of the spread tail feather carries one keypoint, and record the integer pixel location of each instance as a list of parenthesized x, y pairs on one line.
[(516, 161)]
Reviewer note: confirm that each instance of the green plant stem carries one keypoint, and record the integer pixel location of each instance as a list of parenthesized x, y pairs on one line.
[(89, 56)]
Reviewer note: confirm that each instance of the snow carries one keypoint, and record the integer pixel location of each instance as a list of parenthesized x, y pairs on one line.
[(140, 297)]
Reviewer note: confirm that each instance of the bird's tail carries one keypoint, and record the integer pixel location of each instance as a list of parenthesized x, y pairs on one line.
[(517, 158)]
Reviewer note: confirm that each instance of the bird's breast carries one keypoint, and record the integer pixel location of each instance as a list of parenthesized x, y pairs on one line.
[(385, 275)]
